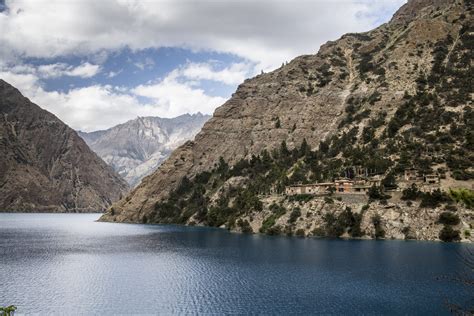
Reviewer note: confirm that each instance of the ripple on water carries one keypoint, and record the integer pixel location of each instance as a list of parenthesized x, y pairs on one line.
[(69, 264)]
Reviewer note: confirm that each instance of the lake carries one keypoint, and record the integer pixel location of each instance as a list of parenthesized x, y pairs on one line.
[(70, 264)]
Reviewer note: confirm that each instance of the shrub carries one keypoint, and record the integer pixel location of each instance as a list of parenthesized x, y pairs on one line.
[(433, 199), (407, 232), (464, 196), (275, 230), (377, 222), (448, 218), (269, 222), (300, 233), (328, 200), (166, 209), (245, 226), (451, 208), (301, 198), (411, 193), (277, 123), (448, 234), (346, 220), (375, 193), (355, 229), (318, 232), (294, 215), (333, 227)]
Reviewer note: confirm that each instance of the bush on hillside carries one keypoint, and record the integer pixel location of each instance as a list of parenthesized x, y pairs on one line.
[(448, 218), (448, 234)]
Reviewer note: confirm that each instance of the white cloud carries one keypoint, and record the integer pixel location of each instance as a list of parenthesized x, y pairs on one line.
[(266, 32), (85, 70), (112, 74), (234, 74), (102, 106), (148, 63), (175, 97)]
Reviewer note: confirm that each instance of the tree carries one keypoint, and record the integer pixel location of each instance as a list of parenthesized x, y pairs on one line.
[(434, 199), (7, 310), (377, 222), (448, 234), (222, 168), (411, 193), (375, 193), (305, 149), (448, 218), (294, 215), (277, 123)]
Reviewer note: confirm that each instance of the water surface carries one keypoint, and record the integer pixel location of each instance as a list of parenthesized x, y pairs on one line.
[(69, 264)]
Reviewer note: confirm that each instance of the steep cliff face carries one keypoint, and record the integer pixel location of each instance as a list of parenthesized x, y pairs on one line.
[(364, 90), (45, 166), (136, 148)]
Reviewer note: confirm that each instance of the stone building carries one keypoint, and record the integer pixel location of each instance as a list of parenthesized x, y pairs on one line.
[(313, 189)]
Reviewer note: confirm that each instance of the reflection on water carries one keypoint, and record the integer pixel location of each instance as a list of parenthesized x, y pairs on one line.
[(69, 264)]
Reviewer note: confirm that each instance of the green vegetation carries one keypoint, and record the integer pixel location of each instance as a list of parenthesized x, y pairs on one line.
[(424, 132), (277, 123), (300, 233), (434, 199), (268, 225), (412, 193), (448, 218), (375, 193), (448, 234), (245, 226), (301, 198), (464, 196), (7, 310), (346, 221), (294, 215), (377, 222), (407, 232)]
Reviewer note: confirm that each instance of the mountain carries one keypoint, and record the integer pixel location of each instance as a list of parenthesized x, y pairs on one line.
[(45, 166), (388, 100), (136, 148)]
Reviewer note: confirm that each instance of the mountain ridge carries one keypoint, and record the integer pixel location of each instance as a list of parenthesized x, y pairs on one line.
[(137, 147), (46, 166), (364, 93)]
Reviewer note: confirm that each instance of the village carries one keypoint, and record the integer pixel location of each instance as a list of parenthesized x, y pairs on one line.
[(363, 180)]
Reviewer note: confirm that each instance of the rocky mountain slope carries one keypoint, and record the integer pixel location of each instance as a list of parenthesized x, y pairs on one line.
[(45, 166), (397, 97), (136, 148)]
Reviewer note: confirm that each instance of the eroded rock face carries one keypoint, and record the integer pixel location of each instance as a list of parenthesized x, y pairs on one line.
[(397, 220), (307, 98), (45, 166), (136, 148)]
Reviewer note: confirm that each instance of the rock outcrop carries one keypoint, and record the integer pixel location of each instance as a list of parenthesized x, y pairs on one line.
[(45, 166), (358, 98), (136, 148)]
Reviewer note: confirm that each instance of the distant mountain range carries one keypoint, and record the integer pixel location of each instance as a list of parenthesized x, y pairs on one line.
[(136, 148), (45, 166)]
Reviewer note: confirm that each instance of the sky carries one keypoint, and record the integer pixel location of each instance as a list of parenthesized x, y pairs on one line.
[(96, 64)]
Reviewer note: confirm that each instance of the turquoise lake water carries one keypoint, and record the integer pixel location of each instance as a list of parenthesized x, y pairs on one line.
[(68, 264)]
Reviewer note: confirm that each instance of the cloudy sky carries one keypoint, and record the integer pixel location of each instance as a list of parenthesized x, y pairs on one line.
[(96, 63)]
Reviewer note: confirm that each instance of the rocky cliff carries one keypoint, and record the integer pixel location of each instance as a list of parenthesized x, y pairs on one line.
[(396, 97), (136, 148), (45, 166)]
